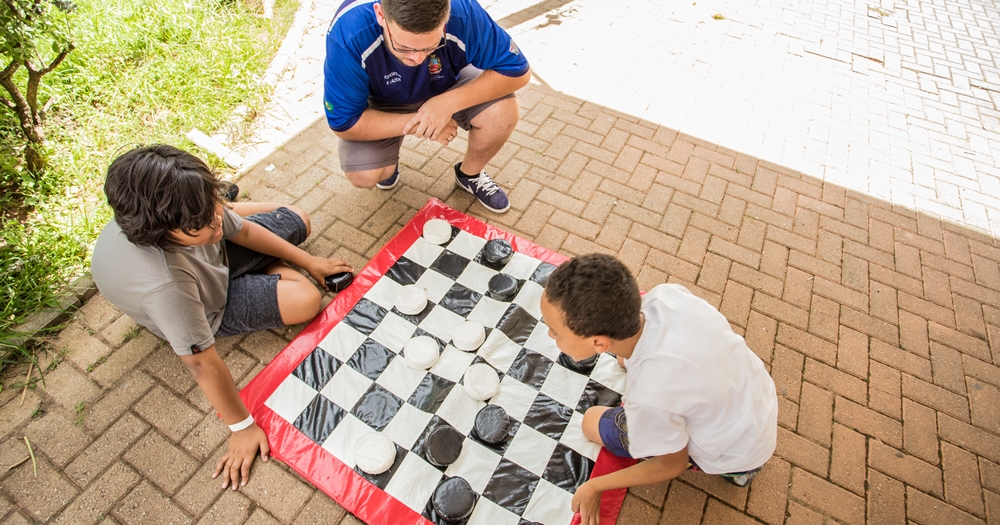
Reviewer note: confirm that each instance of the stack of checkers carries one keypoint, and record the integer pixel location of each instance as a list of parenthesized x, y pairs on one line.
[(356, 382)]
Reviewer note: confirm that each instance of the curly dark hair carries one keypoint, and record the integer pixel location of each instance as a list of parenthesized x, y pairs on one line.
[(159, 188), (417, 16), (598, 296)]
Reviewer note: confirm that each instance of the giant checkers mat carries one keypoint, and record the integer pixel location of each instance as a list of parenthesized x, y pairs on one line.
[(343, 376)]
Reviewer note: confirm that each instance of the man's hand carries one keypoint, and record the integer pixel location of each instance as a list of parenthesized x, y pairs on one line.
[(432, 120), (320, 267), (587, 501), (235, 464)]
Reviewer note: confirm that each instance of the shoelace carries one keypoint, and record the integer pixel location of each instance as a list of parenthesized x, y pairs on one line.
[(485, 183)]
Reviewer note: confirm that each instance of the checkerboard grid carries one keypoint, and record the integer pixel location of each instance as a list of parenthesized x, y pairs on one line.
[(374, 324)]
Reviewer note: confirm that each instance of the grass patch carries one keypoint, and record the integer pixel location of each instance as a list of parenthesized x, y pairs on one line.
[(142, 72)]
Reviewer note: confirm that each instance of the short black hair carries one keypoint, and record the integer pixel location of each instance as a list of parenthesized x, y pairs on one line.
[(159, 188), (417, 16), (597, 295)]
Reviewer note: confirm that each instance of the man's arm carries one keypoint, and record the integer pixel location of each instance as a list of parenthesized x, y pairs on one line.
[(587, 500), (432, 117), (217, 383), (376, 125), (262, 240)]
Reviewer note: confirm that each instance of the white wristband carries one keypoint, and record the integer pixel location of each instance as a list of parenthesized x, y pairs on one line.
[(236, 427)]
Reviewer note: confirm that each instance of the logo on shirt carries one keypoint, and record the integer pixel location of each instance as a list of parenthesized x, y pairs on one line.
[(513, 48), (328, 105), (392, 78), (434, 64)]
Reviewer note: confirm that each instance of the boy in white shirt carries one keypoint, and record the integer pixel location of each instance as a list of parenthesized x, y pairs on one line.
[(695, 395)]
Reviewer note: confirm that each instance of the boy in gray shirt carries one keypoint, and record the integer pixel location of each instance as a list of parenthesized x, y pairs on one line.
[(189, 267)]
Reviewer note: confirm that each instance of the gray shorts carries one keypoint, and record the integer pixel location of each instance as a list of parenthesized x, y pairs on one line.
[(252, 300), (369, 155)]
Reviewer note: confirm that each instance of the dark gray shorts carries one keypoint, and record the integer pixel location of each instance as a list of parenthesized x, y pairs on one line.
[(369, 155), (252, 300)]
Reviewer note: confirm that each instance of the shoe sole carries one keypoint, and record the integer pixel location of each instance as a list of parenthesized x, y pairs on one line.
[(381, 186), (494, 210)]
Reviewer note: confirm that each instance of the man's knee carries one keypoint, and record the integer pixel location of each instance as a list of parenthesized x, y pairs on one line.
[(502, 116), (369, 178)]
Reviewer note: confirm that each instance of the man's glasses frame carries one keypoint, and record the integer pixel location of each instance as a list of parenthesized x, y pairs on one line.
[(408, 51)]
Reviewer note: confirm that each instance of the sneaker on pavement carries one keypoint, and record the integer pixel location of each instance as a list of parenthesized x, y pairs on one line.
[(231, 193), (389, 183), (491, 196)]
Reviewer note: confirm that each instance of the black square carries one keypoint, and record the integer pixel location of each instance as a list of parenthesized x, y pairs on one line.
[(548, 416), (517, 324), (542, 273), (377, 407), (530, 368), (365, 316), (450, 264), (430, 393), (319, 419), (370, 359), (461, 300), (511, 486), (382, 480), (597, 395), (567, 468), (405, 271), (421, 332), (317, 368)]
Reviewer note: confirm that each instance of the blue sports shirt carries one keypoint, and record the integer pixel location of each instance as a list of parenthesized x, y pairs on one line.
[(360, 65)]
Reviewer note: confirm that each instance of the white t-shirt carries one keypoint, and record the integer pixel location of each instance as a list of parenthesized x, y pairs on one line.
[(692, 381)]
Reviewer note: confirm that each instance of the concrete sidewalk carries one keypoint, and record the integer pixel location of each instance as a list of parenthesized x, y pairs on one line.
[(714, 153)]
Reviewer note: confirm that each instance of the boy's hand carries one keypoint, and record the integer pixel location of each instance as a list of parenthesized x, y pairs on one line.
[(235, 464), (587, 501), (320, 267)]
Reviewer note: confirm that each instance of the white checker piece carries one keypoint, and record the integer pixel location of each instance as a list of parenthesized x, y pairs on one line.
[(530, 449), (414, 482), (476, 464), (342, 341), (573, 438), (400, 379), (346, 387), (488, 311), (452, 364), (521, 266), (460, 410), (489, 513), (499, 351), (514, 397), (564, 386), (407, 425), (383, 292), (290, 398), (530, 298), (435, 284), (441, 322), (549, 504), (342, 440), (393, 332), (466, 244), (476, 277), (423, 252)]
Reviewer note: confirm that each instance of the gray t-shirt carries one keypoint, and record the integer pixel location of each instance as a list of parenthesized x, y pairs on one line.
[(178, 295)]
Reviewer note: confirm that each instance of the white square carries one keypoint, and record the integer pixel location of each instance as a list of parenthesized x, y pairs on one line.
[(530, 298), (452, 363), (441, 322), (514, 397), (383, 292), (476, 277), (564, 385), (549, 504), (573, 438), (499, 351), (400, 379), (341, 441), (521, 266), (435, 284), (290, 398), (346, 387), (342, 341), (414, 482), (393, 332), (530, 449), (475, 464), (540, 342), (459, 409), (423, 252), (609, 373), (466, 244), (489, 513), (407, 425), (488, 311)]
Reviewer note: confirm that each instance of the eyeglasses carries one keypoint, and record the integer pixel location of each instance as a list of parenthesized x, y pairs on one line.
[(409, 51)]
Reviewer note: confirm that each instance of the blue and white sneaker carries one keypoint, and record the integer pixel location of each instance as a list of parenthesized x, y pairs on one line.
[(389, 183), (491, 196)]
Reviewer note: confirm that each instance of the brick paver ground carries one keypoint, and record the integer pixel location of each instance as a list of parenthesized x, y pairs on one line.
[(878, 323)]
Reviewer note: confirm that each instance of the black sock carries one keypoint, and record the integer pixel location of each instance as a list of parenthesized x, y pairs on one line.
[(460, 173)]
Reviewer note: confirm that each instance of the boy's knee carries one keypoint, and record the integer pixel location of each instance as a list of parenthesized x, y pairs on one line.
[(302, 215), (298, 300), (591, 423)]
